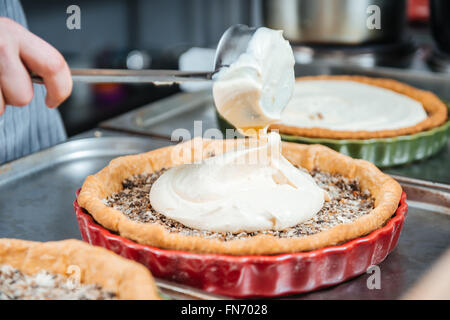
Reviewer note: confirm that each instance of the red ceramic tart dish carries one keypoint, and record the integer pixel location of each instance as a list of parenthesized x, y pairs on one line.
[(252, 276)]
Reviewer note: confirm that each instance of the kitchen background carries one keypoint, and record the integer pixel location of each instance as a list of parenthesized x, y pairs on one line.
[(328, 36), (154, 33)]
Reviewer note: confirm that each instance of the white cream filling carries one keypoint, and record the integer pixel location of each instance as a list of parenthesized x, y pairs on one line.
[(254, 188), (253, 91), (350, 106), (251, 189)]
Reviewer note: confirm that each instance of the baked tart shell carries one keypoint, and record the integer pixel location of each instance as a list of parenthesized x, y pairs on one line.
[(385, 191), (256, 275), (127, 279), (434, 107)]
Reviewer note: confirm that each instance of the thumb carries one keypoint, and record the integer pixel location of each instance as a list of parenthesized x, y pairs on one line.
[(2, 103)]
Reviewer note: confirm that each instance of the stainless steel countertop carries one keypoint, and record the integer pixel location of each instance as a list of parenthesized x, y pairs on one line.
[(36, 195)]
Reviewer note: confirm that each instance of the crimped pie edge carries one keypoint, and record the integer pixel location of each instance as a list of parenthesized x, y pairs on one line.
[(127, 279), (435, 108), (97, 187)]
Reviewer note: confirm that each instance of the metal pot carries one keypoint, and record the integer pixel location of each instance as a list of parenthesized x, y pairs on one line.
[(335, 21)]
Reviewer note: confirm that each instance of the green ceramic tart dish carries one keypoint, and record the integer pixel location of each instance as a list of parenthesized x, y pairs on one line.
[(384, 152), (383, 147), (387, 152)]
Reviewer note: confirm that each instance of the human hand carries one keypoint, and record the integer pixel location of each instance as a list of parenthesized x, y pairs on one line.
[(21, 50)]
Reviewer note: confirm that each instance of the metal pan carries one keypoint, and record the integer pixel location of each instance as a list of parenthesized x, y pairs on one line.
[(344, 22), (36, 195), (162, 118)]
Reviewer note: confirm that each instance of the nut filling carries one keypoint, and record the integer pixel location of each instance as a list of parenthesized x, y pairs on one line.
[(347, 203), (15, 285)]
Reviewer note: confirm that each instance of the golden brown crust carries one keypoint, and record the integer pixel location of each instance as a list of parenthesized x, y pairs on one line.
[(383, 188), (435, 108), (126, 278)]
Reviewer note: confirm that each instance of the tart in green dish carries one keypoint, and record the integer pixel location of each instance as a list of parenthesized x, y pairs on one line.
[(380, 120)]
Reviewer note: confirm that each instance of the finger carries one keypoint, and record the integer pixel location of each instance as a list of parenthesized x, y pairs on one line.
[(15, 81), (46, 61), (2, 103)]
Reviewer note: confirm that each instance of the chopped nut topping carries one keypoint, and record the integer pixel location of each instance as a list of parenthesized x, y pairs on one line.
[(15, 285), (347, 203)]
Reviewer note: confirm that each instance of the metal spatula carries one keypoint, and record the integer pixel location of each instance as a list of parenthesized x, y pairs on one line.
[(231, 45)]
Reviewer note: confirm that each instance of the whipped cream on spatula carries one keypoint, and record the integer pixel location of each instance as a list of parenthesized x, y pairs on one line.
[(253, 91), (253, 188)]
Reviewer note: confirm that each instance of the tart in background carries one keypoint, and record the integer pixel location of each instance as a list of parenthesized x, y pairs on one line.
[(435, 110), (38, 270), (384, 148)]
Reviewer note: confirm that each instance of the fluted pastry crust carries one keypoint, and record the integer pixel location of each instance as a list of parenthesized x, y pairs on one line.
[(385, 190), (435, 108), (126, 278)]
